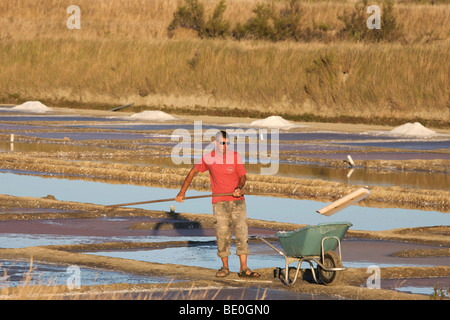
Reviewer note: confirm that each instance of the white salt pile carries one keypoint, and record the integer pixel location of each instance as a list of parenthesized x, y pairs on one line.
[(273, 122), (412, 130), (32, 106), (152, 116)]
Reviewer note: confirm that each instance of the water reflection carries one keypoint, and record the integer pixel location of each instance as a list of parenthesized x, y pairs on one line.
[(46, 147), (306, 170), (362, 176), (297, 169), (87, 135), (413, 145), (258, 207), (22, 240)]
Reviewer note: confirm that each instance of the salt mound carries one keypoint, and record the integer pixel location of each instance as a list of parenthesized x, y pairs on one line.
[(413, 130), (32, 106), (275, 122), (153, 116)]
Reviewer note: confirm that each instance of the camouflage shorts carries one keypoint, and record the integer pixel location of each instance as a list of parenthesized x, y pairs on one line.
[(231, 215)]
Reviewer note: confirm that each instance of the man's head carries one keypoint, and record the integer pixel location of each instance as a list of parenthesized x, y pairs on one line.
[(221, 141)]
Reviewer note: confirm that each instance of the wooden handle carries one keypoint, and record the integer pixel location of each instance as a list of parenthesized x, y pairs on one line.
[(171, 199)]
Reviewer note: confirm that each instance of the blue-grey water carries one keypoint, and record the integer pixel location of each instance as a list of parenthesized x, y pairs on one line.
[(258, 207)]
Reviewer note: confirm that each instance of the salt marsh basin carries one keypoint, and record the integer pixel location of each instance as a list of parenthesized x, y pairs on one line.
[(66, 225)]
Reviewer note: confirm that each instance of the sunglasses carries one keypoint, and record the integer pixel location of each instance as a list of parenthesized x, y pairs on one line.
[(223, 142)]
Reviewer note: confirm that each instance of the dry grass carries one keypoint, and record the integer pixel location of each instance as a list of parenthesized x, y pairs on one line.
[(140, 19), (43, 60), (385, 80), (30, 287)]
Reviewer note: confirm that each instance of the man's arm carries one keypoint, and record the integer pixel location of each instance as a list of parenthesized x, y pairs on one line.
[(187, 182), (238, 191)]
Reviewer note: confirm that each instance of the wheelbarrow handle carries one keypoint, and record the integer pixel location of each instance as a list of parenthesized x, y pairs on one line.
[(272, 246)]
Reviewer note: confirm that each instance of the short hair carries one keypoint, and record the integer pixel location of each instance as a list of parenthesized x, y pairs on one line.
[(221, 133)]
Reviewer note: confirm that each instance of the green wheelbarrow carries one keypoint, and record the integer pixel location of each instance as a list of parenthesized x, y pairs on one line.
[(312, 243)]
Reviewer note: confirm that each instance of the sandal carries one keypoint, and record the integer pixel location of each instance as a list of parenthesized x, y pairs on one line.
[(223, 272), (244, 274)]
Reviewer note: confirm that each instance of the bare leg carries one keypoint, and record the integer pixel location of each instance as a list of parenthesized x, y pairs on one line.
[(243, 260), (248, 272), (225, 262)]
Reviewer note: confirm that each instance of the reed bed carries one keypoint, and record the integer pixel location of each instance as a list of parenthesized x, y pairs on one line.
[(382, 80)]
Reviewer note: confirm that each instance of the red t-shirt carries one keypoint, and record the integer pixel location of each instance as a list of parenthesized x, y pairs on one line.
[(224, 172)]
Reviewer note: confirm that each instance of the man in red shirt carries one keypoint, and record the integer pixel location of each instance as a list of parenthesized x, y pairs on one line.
[(227, 175)]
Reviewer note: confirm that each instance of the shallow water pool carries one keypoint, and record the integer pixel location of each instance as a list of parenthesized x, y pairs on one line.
[(14, 272), (258, 207), (261, 256)]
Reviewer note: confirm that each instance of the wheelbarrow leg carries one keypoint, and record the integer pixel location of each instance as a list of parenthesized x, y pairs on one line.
[(289, 261), (313, 271)]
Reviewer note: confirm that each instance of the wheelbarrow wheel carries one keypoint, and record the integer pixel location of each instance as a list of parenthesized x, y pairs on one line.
[(331, 260)]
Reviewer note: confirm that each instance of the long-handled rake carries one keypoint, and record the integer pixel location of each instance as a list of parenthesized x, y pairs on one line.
[(328, 210), (171, 199)]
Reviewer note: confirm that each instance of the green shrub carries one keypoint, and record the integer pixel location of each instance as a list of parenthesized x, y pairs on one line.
[(189, 16), (268, 24), (216, 26), (259, 27), (287, 23), (356, 28), (390, 30)]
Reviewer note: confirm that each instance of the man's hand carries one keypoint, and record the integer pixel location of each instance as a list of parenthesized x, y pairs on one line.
[(237, 192), (180, 197)]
